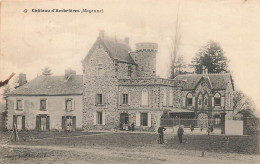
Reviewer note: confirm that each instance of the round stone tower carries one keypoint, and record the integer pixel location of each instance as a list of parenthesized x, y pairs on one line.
[(145, 57)]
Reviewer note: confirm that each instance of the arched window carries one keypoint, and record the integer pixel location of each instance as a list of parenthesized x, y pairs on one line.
[(206, 102), (144, 97), (217, 99), (189, 99), (164, 97), (125, 97), (200, 100)]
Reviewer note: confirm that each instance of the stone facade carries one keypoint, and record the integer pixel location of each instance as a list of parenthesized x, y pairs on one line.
[(125, 83)]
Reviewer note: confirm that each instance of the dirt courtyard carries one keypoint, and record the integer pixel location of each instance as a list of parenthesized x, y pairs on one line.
[(130, 148)]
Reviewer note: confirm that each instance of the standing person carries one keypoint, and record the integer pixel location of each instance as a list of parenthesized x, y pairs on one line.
[(180, 133), (208, 130), (160, 134)]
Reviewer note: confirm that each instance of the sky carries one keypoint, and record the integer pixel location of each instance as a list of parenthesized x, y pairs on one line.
[(32, 40)]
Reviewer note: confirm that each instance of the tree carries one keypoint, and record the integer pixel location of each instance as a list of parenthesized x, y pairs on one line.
[(243, 104), (46, 71), (211, 58), (174, 46)]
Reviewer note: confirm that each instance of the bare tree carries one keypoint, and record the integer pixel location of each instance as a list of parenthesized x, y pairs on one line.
[(174, 46), (242, 103)]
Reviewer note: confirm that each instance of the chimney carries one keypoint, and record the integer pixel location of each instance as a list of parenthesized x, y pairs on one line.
[(127, 40), (102, 34), (22, 79), (68, 73)]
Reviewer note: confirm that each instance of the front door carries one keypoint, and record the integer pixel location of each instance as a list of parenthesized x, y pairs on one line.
[(43, 122), (68, 123), (19, 123)]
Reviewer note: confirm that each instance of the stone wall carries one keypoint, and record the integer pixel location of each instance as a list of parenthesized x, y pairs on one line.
[(106, 83)]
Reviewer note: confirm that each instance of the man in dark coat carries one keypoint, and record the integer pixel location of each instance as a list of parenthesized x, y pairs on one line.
[(160, 133), (180, 133), (2, 83)]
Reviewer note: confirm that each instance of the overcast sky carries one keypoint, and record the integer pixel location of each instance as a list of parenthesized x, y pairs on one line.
[(31, 41)]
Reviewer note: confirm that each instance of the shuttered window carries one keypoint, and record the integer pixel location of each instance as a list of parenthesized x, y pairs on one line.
[(43, 105)]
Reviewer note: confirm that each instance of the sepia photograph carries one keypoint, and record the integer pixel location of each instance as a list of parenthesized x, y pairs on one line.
[(130, 81)]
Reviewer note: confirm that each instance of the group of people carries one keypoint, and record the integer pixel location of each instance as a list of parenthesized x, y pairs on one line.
[(161, 130), (180, 132)]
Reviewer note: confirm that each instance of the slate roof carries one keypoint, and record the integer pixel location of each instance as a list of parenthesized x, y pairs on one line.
[(216, 81), (51, 85), (116, 50)]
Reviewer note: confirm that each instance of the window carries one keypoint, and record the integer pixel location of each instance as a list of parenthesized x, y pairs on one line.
[(99, 118), (217, 120), (19, 105), (68, 105), (206, 99), (99, 99), (144, 119), (125, 99), (229, 100), (200, 100), (129, 71), (217, 99), (144, 97), (189, 99), (43, 105), (100, 69), (171, 98), (164, 97)]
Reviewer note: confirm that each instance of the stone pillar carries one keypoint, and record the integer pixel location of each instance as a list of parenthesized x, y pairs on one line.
[(222, 118)]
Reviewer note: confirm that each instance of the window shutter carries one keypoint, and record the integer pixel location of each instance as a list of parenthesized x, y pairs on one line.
[(129, 98), (48, 123), (193, 101), (23, 104), (23, 122), (14, 121), (96, 99), (47, 106), (183, 101), (137, 119), (212, 101), (74, 122), (149, 119), (95, 118), (222, 101), (38, 123), (15, 104), (74, 105), (103, 118), (104, 102), (63, 123)]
